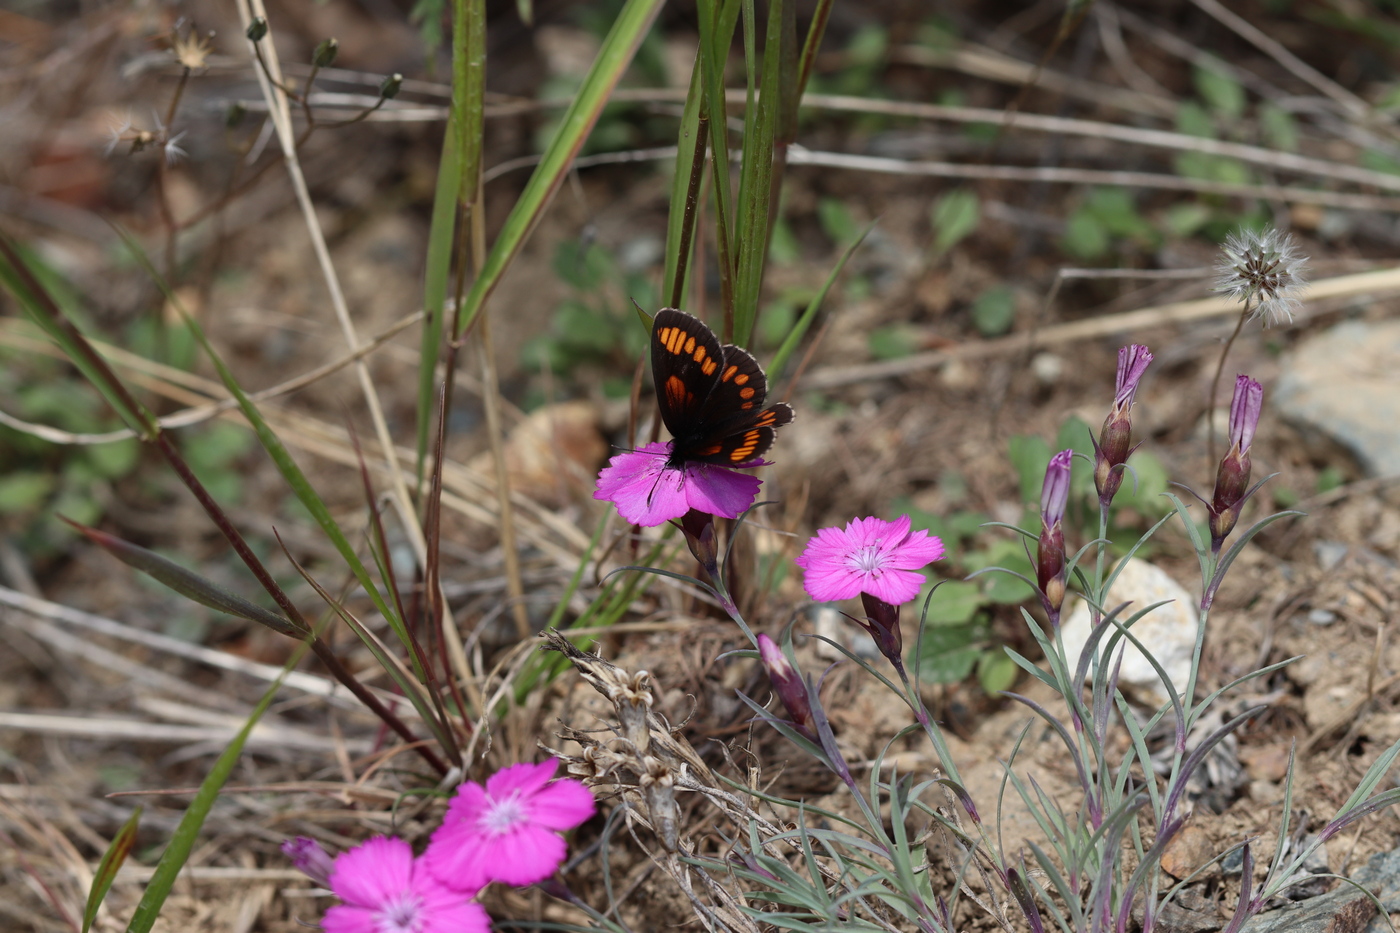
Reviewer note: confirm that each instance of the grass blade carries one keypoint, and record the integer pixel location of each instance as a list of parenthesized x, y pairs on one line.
[(112, 861), (800, 328)]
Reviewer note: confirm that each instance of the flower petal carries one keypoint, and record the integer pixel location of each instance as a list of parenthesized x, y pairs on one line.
[(717, 491), (459, 857), (526, 855), (894, 586), (343, 918), (525, 778), (562, 805), (373, 872)]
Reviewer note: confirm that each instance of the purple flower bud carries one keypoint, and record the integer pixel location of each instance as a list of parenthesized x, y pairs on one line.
[(787, 683), (1232, 477), (699, 529), (1115, 441), (310, 859), (882, 622), (1054, 494), (1050, 548)]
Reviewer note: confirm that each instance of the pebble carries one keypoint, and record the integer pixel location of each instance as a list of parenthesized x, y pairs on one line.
[(1322, 617), (1168, 632), (1341, 384)]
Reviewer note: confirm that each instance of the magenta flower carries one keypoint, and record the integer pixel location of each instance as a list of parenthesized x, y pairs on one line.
[(787, 683), (1114, 445), (508, 830), (870, 556), (1232, 476), (648, 492), (1050, 546), (386, 890)]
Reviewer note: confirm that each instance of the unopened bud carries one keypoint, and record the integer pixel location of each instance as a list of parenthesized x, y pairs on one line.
[(1115, 440), (310, 859), (882, 622), (699, 530), (325, 53), (257, 29), (1232, 476), (389, 87), (786, 681)]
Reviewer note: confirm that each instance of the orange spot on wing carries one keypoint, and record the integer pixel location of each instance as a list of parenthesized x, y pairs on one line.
[(741, 378), (677, 395), (699, 354), (745, 450), (746, 392), (690, 344), (729, 374), (708, 367), (710, 451)]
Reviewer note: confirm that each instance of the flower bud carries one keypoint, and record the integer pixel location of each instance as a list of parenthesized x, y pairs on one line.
[(310, 859), (1050, 548), (699, 530), (257, 29), (1115, 440), (1232, 477), (787, 682), (389, 87), (325, 53), (882, 622)]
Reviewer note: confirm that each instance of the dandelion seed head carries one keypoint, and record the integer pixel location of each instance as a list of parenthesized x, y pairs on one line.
[(1265, 270)]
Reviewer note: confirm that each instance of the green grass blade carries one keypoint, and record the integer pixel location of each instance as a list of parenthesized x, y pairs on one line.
[(804, 323), (613, 58), (761, 121), (173, 859), (717, 19), (112, 861), (436, 278), (681, 221)]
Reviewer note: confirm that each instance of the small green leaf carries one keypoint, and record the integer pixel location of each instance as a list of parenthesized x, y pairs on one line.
[(994, 311), (1030, 455), (1192, 119), (1328, 479), (955, 216), (1221, 92), (836, 220), (890, 343), (948, 653), (1278, 126), (24, 491), (115, 459), (1145, 495), (996, 672), (953, 603), (1183, 220), (1086, 236)]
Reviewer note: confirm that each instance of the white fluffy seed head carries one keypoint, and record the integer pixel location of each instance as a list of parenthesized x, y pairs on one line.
[(1266, 271)]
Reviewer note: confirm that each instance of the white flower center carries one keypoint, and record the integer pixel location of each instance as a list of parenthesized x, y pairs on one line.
[(503, 815), (866, 559), (401, 914)]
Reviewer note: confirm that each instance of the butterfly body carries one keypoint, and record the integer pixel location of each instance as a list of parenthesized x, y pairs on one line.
[(711, 395)]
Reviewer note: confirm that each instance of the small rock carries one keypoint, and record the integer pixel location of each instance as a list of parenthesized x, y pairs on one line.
[(1188, 851), (1168, 632), (1322, 617), (1341, 384), (1345, 910), (1330, 553), (1232, 865), (1265, 762), (1381, 876), (1048, 368)]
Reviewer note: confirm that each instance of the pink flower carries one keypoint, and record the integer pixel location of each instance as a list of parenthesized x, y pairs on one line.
[(870, 556), (648, 492), (310, 859), (508, 830), (386, 890)]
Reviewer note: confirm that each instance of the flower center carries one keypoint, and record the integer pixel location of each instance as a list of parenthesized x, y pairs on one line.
[(503, 815), (866, 559), (400, 914)]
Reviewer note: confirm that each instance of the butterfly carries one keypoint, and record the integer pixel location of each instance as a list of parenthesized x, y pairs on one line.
[(711, 396)]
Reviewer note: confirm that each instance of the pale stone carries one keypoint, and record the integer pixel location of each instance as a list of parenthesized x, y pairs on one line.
[(1168, 632)]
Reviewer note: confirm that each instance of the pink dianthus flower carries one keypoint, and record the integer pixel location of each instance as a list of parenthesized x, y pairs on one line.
[(386, 890), (507, 831), (870, 556), (648, 491)]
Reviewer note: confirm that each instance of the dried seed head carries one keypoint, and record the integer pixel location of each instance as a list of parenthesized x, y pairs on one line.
[(192, 49), (1264, 270)]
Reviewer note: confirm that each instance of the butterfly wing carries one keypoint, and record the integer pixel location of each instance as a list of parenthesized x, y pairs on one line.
[(685, 366), (710, 395)]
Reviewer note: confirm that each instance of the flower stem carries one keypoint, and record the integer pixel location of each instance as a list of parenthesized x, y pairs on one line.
[(1215, 383)]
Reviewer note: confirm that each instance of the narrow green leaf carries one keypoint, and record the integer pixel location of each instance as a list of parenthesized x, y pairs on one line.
[(436, 278), (804, 323), (186, 582), (955, 216), (173, 859), (682, 218), (613, 58), (112, 861)]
